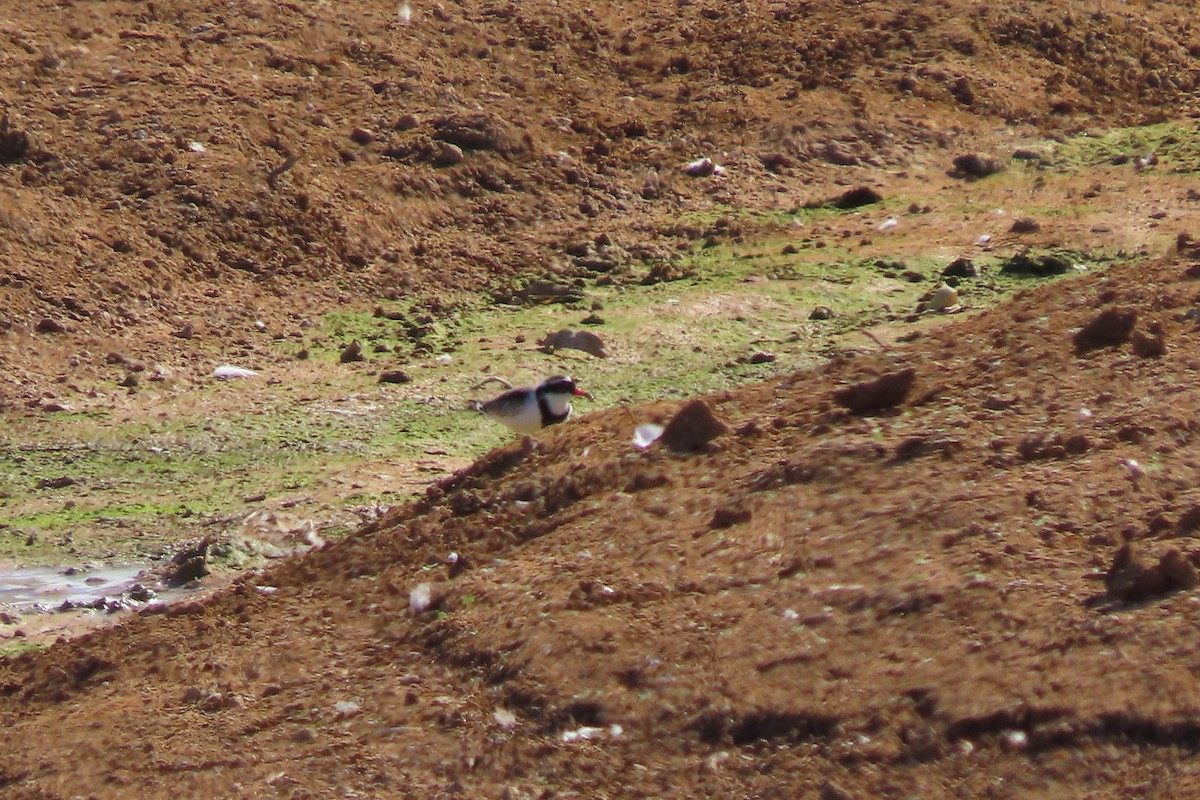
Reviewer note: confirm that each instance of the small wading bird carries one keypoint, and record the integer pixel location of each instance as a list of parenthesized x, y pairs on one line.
[(529, 409)]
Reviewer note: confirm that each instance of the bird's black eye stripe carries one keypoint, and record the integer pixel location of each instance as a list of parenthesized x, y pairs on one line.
[(559, 384)]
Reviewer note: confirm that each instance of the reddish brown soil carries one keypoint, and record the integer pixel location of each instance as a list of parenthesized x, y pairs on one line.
[(911, 602)]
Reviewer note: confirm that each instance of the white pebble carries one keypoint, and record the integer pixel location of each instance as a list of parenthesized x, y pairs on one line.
[(346, 708), (229, 372), (888, 224), (646, 434), (421, 597)]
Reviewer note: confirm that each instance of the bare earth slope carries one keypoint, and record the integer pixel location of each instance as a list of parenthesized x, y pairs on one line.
[(920, 600), (906, 602), (150, 194)]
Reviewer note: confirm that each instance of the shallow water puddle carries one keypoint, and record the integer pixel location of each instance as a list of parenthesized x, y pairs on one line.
[(47, 588)]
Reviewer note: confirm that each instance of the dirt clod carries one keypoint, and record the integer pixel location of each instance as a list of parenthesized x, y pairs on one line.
[(960, 268), (1151, 343), (1110, 328), (1130, 580), (692, 427), (585, 341), (351, 353), (856, 198), (728, 516), (884, 392), (394, 376), (973, 165), (48, 325)]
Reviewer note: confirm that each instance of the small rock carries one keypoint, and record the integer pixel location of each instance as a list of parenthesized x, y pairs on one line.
[(761, 358), (406, 122), (186, 332), (189, 564), (821, 313), (48, 325), (1109, 328), (304, 736), (973, 165), (692, 427), (1130, 580), (60, 482), (831, 791), (422, 598), (943, 299), (130, 381), (651, 186), (1151, 344), (586, 341), (700, 168), (395, 376), (882, 393), (362, 136), (725, 517), (1025, 225), (448, 155), (352, 352), (140, 593)]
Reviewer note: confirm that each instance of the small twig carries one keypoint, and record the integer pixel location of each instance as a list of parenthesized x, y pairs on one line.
[(876, 340), (273, 175), (492, 379)]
